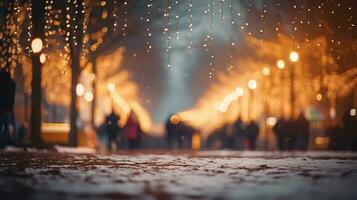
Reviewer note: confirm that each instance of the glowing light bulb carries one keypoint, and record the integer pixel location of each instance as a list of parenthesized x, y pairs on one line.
[(252, 84), (280, 64), (36, 45), (294, 56)]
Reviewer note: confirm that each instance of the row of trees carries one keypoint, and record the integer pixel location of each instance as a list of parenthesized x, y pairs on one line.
[(75, 33)]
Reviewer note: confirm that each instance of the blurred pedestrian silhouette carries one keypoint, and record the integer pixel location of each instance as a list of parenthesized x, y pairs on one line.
[(252, 134), (336, 136), (280, 133), (112, 130), (133, 132), (239, 134), (171, 134), (7, 100), (302, 132), (350, 130)]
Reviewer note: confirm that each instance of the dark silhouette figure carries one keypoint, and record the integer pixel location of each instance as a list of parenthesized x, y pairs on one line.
[(336, 137), (133, 132), (239, 134), (7, 100), (302, 132), (291, 135), (252, 134), (112, 129), (280, 133), (171, 134), (350, 130)]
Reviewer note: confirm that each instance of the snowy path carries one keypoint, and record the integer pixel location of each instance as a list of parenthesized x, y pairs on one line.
[(204, 175)]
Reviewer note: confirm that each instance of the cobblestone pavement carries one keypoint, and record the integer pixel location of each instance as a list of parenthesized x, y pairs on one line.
[(178, 175)]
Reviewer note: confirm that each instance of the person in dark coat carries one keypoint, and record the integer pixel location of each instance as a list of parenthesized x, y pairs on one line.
[(7, 101), (239, 134), (279, 130), (302, 132), (112, 129), (252, 134), (350, 130)]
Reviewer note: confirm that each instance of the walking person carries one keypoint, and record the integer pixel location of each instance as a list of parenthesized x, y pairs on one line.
[(7, 100), (133, 132), (252, 134), (112, 130)]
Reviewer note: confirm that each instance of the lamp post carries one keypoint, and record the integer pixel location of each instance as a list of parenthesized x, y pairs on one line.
[(294, 57), (281, 66), (252, 85), (240, 93)]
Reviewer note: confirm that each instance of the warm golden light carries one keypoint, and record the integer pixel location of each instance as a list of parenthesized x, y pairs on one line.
[(36, 45), (252, 84), (111, 87), (294, 56), (280, 64), (174, 119), (196, 141), (266, 71), (240, 91), (353, 112), (80, 89), (271, 121), (42, 58), (88, 96), (318, 97)]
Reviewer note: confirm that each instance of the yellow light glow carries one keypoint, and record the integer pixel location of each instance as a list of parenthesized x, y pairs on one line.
[(266, 71), (174, 119), (353, 112), (88, 96), (271, 121), (80, 89), (36, 45), (280, 64), (196, 141), (318, 97), (252, 84), (42, 58), (111, 87), (294, 56), (240, 91)]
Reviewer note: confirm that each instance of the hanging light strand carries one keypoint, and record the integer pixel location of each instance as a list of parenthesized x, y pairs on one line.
[(210, 51), (148, 28), (167, 31), (232, 43), (190, 26)]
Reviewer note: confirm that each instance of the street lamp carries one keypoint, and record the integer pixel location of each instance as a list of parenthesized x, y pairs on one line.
[(240, 92), (252, 85), (294, 57), (281, 65)]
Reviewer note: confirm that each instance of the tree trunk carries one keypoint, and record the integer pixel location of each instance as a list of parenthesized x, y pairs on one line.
[(94, 102), (38, 17), (76, 10), (73, 111)]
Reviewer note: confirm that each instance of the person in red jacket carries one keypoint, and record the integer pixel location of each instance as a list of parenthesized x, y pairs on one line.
[(133, 132)]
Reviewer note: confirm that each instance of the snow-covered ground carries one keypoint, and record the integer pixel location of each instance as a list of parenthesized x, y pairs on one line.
[(174, 175)]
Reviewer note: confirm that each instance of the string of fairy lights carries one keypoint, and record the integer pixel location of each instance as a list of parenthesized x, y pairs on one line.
[(177, 19), (190, 26), (148, 27), (167, 15), (302, 16)]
